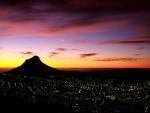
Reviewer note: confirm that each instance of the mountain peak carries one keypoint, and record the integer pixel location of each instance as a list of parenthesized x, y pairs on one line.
[(34, 67), (34, 59)]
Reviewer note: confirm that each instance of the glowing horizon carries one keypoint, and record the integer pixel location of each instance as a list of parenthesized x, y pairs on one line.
[(77, 64), (75, 34)]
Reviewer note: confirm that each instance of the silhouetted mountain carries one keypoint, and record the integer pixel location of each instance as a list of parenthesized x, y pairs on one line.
[(34, 67)]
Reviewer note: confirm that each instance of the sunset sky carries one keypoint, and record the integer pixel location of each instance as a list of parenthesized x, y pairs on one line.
[(76, 33)]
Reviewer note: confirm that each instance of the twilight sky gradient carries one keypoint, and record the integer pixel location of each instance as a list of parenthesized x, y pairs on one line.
[(76, 33)]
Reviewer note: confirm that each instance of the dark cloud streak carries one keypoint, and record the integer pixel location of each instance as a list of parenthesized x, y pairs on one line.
[(117, 59), (27, 53), (137, 54), (127, 41), (61, 49), (141, 48), (88, 55), (51, 54), (134, 42), (65, 49)]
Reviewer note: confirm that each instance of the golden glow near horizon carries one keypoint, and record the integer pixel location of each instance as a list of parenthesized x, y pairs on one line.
[(66, 63)]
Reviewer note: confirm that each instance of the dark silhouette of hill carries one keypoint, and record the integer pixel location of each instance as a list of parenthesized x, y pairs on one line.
[(34, 67)]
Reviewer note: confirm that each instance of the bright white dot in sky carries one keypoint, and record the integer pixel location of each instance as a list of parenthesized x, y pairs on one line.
[(62, 40)]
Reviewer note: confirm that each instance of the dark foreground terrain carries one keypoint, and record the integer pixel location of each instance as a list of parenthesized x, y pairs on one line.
[(78, 95)]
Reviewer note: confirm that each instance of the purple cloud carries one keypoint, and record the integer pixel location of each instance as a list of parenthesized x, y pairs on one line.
[(60, 15)]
